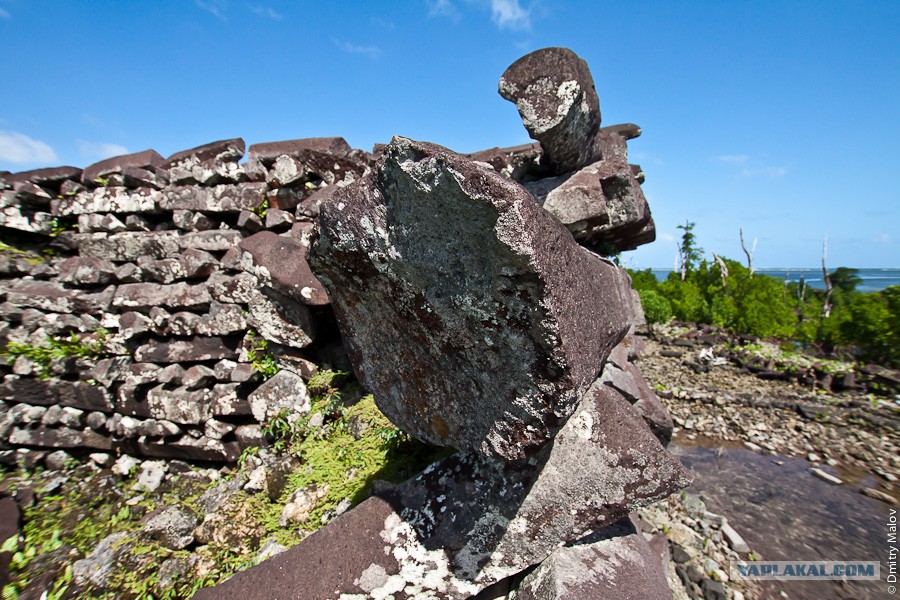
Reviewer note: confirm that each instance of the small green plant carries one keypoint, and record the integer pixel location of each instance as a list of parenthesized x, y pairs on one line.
[(91, 345), (261, 359), (102, 181), (262, 208)]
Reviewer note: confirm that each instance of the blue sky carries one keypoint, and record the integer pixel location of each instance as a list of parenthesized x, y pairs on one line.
[(778, 117)]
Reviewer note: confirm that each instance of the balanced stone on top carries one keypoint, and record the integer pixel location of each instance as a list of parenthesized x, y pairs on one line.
[(554, 92), (471, 313)]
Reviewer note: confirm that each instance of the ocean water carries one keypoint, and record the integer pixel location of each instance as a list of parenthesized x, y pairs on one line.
[(873, 280)]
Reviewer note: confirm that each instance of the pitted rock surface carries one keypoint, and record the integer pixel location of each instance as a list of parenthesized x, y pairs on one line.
[(469, 521), (471, 313), (554, 92), (620, 566)]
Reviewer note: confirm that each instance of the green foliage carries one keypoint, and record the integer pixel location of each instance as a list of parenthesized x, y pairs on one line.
[(261, 359), (845, 279), (102, 181), (691, 254), (262, 208), (89, 345), (868, 325), (657, 308)]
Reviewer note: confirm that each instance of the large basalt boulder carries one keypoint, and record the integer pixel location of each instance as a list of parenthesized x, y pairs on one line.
[(280, 262), (614, 564), (444, 274), (469, 521), (554, 92)]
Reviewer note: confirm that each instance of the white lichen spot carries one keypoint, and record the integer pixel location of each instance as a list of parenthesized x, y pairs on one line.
[(583, 425), (306, 292), (373, 577)]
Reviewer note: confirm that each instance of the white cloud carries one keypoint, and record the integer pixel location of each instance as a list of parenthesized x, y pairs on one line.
[(18, 148), (350, 48), (510, 14), (4, 14), (884, 238), (214, 7), (769, 171), (266, 11), (732, 158), (100, 150), (442, 8)]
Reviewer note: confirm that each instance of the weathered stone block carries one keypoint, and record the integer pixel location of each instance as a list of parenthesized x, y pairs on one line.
[(280, 319), (463, 276), (129, 245), (192, 350), (620, 565), (214, 240), (144, 296), (267, 152), (554, 93), (280, 263), (284, 390), (107, 200), (148, 159), (218, 199)]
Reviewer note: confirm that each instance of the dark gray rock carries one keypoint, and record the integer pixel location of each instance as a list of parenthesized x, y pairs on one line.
[(191, 350), (96, 568), (218, 199), (83, 270), (148, 159), (279, 319), (172, 526), (554, 93), (267, 153), (221, 151), (143, 296), (112, 199), (469, 521), (285, 390), (462, 275), (128, 246), (188, 220), (281, 263), (50, 177), (620, 565), (47, 392), (214, 240)]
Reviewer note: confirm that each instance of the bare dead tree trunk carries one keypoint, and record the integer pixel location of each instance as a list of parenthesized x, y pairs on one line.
[(826, 308), (723, 268), (750, 252)]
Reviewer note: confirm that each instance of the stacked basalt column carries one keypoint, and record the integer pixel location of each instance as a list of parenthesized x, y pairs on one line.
[(479, 322), (171, 257)]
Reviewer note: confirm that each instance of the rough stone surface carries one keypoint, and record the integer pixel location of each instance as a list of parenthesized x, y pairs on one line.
[(469, 521), (554, 93), (268, 152), (172, 526), (143, 160), (620, 565), (281, 263), (191, 350), (284, 390), (460, 273)]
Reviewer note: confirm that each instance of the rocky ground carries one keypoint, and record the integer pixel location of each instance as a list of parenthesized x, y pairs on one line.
[(713, 398), (100, 527)]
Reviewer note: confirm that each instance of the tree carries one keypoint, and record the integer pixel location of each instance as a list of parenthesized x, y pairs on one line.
[(845, 279), (688, 251)]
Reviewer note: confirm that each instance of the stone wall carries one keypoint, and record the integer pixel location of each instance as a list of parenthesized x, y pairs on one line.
[(175, 272)]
